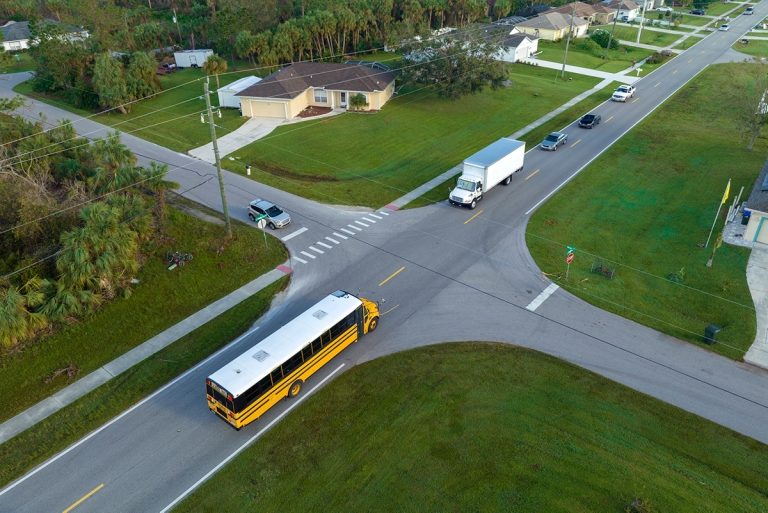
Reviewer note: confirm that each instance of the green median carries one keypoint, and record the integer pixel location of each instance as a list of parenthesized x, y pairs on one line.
[(487, 427)]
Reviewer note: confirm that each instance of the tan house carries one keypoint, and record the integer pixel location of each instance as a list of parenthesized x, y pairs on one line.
[(553, 26), (628, 10), (603, 14), (285, 93), (597, 14)]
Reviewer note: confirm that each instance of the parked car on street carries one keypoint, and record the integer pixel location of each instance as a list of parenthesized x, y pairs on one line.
[(664, 9), (623, 93), (589, 121), (699, 12), (724, 27), (276, 217), (554, 140), (749, 10)]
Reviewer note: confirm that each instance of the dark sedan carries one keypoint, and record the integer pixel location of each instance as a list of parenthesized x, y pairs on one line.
[(589, 121)]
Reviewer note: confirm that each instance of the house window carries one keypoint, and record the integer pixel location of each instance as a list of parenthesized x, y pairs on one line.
[(321, 96)]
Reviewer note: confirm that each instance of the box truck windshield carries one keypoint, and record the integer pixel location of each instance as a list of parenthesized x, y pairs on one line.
[(465, 185)]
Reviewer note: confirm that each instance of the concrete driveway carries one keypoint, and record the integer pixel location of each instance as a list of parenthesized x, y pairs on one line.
[(253, 130)]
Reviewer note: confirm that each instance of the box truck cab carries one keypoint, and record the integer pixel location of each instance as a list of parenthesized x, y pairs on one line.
[(487, 168)]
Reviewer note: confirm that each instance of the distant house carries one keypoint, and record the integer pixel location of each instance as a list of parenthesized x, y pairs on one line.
[(17, 34), (553, 26), (604, 14), (285, 93), (533, 10), (594, 14), (626, 8), (514, 45)]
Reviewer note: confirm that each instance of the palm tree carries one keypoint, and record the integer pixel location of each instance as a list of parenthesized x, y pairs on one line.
[(111, 153), (18, 321), (158, 185), (214, 65), (110, 180)]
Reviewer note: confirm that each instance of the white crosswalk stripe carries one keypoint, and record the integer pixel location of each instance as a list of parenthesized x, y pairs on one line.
[(317, 250), (333, 240), (353, 227), (374, 215), (308, 254), (299, 260), (383, 213), (342, 236), (362, 224), (369, 220), (323, 244)]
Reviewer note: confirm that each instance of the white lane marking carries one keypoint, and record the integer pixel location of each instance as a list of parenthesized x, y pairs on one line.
[(129, 410), (374, 215), (308, 254), (383, 213), (353, 227), (249, 442), (323, 244), (299, 260), (333, 240), (294, 234), (317, 250), (340, 235), (368, 220), (542, 297), (362, 224)]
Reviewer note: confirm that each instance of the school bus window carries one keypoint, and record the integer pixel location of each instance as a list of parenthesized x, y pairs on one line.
[(326, 338), (253, 393), (338, 329), (277, 375), (306, 352), (293, 363), (316, 346)]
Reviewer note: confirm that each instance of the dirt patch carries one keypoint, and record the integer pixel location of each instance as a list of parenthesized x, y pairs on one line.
[(284, 172), (314, 111), (200, 215)]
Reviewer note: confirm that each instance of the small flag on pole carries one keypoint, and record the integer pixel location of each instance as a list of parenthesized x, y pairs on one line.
[(727, 191)]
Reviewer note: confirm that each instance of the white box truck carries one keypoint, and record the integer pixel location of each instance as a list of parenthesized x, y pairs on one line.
[(487, 168), (191, 58)]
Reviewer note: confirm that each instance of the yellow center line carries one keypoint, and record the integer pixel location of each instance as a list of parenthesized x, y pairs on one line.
[(713, 44), (674, 72), (527, 177), (393, 275), (73, 506), (657, 85), (691, 61), (385, 313), (574, 144), (607, 120), (703, 51), (633, 101), (474, 216)]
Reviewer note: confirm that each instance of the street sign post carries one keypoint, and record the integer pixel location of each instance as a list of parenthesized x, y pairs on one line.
[(568, 260), (262, 223)]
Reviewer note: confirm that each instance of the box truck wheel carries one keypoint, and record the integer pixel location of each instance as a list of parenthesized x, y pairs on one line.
[(473, 204), (507, 180)]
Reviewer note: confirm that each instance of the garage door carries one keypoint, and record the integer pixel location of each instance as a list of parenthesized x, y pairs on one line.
[(268, 109)]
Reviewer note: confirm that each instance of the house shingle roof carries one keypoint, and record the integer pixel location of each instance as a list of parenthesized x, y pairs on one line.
[(19, 30), (624, 4), (553, 21), (582, 9), (758, 200), (293, 80), (496, 34)]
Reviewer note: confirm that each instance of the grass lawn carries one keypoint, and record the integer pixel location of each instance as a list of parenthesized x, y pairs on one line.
[(642, 208), (160, 299), (720, 8), (159, 119), (618, 60), (696, 21), (755, 47), (372, 159), (487, 427), (23, 63), (687, 43), (648, 37), (53, 434)]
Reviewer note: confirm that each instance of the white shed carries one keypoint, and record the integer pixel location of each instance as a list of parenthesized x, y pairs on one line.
[(191, 58), (227, 93)]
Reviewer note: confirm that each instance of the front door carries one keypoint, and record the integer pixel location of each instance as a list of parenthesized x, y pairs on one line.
[(343, 99)]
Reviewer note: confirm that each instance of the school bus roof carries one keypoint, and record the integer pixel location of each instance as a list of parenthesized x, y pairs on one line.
[(244, 371)]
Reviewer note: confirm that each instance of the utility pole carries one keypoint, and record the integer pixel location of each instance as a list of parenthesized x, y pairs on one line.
[(610, 38), (645, 8), (568, 41), (218, 161), (176, 21)]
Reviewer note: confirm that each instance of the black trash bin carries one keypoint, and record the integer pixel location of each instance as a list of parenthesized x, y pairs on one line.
[(710, 334), (745, 218)]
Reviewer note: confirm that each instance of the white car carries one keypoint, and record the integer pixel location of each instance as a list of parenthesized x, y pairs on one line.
[(623, 93), (664, 9), (724, 27), (749, 10)]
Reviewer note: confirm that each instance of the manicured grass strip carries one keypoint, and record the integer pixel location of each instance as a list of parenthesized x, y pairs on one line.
[(178, 127), (755, 47), (696, 21), (161, 299), (487, 427), (618, 60), (372, 159), (643, 207), (648, 37), (23, 63), (42, 441)]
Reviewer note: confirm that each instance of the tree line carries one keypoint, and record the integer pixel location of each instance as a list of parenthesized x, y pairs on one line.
[(74, 219)]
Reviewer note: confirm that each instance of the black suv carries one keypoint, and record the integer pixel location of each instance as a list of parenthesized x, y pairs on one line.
[(700, 12)]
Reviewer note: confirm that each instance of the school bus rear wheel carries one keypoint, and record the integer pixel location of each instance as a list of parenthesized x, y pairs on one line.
[(295, 388)]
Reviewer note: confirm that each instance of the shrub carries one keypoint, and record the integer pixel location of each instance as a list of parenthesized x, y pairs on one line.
[(601, 37)]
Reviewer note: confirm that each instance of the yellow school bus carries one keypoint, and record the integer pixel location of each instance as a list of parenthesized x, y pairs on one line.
[(277, 367)]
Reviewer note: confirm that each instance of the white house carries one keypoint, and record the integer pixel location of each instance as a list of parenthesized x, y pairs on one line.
[(17, 35), (517, 46), (626, 8), (227, 93)]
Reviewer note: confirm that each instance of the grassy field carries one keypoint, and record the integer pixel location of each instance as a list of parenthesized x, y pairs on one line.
[(23, 63), (160, 299), (42, 441), (371, 159), (720, 8), (172, 118), (754, 47), (488, 427), (618, 60), (642, 208), (687, 43), (696, 21), (648, 37)]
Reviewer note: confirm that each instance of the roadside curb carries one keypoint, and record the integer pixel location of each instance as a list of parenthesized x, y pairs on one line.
[(78, 389)]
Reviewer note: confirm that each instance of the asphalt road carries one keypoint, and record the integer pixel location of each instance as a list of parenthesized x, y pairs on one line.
[(464, 278)]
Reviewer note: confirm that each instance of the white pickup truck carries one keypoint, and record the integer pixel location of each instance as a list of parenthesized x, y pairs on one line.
[(623, 93)]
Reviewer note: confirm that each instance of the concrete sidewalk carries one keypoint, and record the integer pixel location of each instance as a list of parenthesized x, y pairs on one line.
[(79, 388), (757, 279)]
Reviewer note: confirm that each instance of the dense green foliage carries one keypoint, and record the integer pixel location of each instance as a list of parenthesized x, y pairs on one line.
[(487, 427)]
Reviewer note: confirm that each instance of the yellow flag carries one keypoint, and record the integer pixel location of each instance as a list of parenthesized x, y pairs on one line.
[(727, 191)]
